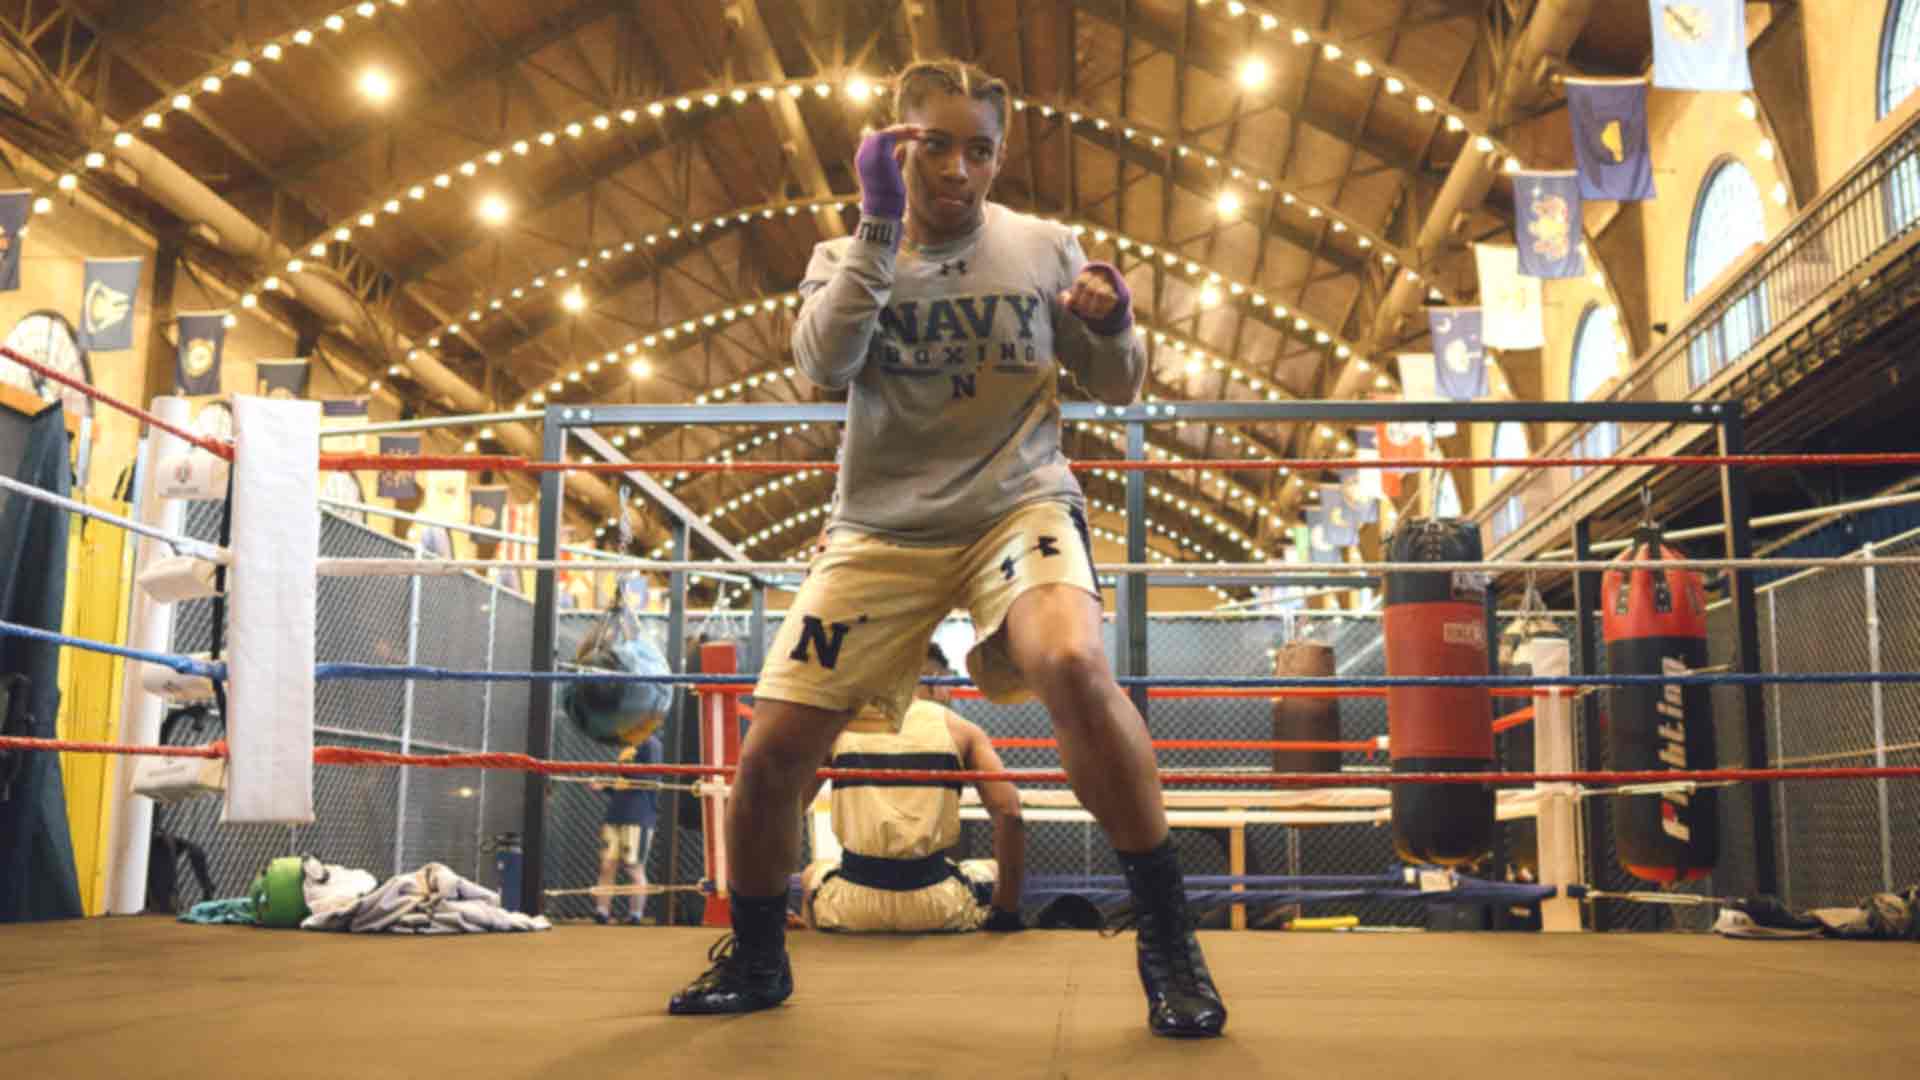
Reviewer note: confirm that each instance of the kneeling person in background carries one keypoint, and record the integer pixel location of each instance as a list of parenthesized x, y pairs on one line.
[(893, 874)]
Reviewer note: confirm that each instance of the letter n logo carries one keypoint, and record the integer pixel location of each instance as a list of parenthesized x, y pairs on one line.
[(813, 635), (963, 386)]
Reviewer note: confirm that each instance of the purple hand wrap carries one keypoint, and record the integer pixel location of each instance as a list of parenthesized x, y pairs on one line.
[(883, 190), (1121, 317)]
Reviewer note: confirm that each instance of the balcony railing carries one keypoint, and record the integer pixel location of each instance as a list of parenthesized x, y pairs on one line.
[(1842, 237)]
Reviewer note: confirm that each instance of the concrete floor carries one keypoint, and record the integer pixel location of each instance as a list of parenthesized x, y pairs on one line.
[(147, 997)]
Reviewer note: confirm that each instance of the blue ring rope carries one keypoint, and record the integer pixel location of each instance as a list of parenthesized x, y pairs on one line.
[(185, 665), (386, 672)]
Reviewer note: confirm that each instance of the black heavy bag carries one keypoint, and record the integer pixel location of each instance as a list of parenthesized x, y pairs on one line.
[(1303, 719), (1655, 622), (1436, 625)]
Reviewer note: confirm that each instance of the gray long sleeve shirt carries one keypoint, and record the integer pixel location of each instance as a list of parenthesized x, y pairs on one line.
[(952, 356)]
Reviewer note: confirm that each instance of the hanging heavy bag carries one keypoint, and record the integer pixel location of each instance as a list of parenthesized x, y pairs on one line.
[(1654, 621), (1435, 625)]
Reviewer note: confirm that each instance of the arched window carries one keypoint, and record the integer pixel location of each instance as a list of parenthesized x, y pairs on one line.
[(48, 337), (1446, 497), (1509, 441), (1728, 220), (1899, 75), (1597, 351), (1899, 54)]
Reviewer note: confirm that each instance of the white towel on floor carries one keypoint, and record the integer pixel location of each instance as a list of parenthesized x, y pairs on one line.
[(430, 900)]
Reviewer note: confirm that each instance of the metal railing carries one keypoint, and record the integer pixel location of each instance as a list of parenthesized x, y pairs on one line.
[(1844, 237)]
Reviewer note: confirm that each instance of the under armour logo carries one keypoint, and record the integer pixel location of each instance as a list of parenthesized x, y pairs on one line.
[(956, 267), (1047, 547)]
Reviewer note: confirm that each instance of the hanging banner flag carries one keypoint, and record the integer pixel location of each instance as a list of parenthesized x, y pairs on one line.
[(1418, 382), (1366, 482), (1302, 543), (1512, 312), (14, 208), (1460, 360), (1700, 45), (1400, 442), (1610, 138), (337, 414), (1343, 530), (487, 508), (1548, 225), (106, 304), (399, 484), (1320, 545), (281, 379), (203, 338)]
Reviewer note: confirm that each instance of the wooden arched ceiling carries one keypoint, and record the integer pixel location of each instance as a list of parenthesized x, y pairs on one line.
[(676, 162)]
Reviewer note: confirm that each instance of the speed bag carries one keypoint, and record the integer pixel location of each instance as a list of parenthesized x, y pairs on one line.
[(1654, 621), (1436, 625)]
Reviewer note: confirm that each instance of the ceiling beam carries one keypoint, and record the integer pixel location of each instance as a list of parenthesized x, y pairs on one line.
[(764, 62), (1204, 48), (458, 81)]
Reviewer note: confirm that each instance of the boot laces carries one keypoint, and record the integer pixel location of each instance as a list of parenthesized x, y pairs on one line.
[(1169, 930)]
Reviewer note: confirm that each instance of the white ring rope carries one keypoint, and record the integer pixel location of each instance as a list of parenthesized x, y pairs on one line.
[(185, 545), (472, 530), (624, 890)]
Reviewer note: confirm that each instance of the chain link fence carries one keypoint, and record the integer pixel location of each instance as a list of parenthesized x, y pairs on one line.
[(1835, 841), (382, 820)]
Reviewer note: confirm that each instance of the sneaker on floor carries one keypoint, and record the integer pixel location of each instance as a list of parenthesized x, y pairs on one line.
[(1764, 918), (740, 981), (1182, 1002), (601, 917)]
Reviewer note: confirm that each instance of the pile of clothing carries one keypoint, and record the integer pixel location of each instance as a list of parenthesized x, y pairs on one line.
[(430, 900)]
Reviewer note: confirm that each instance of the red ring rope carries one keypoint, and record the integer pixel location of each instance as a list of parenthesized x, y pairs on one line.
[(510, 463), (1360, 747), (219, 448), (342, 755), (1158, 693)]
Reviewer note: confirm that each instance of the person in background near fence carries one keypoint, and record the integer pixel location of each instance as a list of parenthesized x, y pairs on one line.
[(627, 833), (893, 875), (951, 320)]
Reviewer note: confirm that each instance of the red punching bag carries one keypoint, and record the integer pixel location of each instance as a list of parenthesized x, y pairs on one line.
[(1655, 622), (1436, 625)]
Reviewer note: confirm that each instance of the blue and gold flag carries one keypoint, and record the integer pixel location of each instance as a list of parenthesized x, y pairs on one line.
[(487, 508), (281, 379), (1342, 520), (1609, 119), (1547, 224), (1700, 45), (1459, 357), (107, 295), (399, 484), (203, 338)]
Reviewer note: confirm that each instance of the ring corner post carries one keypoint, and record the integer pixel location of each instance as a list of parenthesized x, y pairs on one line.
[(540, 694), (1131, 594), (1736, 510)]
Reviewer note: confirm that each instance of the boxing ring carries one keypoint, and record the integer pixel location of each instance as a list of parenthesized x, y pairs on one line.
[(1420, 997)]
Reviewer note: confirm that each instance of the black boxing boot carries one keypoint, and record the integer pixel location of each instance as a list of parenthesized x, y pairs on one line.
[(750, 971), (1181, 999)]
